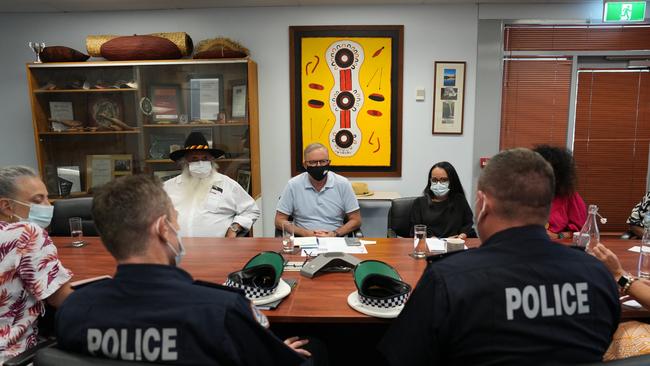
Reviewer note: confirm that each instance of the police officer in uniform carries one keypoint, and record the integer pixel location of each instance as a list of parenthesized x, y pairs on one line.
[(153, 311), (519, 298)]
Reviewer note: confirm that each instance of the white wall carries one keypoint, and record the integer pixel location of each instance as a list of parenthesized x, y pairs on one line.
[(432, 32), (442, 32)]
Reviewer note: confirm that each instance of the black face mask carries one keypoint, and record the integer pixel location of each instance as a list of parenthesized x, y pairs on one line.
[(318, 172)]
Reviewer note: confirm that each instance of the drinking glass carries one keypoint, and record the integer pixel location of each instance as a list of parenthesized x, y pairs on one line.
[(287, 237), (76, 231), (420, 241)]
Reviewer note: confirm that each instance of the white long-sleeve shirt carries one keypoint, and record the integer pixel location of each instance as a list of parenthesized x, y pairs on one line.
[(226, 203)]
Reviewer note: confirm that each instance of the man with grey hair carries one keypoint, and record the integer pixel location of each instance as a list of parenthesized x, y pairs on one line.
[(210, 204), (517, 299), (153, 311), (30, 270), (321, 202)]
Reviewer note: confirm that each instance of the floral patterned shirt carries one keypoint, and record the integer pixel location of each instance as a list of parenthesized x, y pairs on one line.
[(639, 211), (30, 272)]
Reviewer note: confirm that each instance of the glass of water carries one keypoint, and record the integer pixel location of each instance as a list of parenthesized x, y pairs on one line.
[(287, 237), (76, 231), (420, 248)]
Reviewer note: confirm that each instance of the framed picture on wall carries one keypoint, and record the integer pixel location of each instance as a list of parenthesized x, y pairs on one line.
[(237, 101), (206, 98), (449, 97), (346, 93), (165, 103), (101, 169)]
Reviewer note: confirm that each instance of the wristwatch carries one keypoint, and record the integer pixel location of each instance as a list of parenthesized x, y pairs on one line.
[(235, 227), (625, 282)]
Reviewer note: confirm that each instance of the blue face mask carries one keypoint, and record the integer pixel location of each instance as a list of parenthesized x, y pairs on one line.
[(440, 188), (40, 215), (180, 253)]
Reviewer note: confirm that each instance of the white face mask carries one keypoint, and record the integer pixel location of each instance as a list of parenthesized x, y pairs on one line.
[(40, 215), (440, 188), (480, 214), (180, 253), (200, 169)]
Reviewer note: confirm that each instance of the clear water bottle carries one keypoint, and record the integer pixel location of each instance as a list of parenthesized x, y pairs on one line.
[(644, 253), (589, 234)]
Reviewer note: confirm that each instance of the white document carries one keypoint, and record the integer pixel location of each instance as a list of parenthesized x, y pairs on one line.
[(637, 249), (326, 245), (209, 96), (306, 242), (435, 245), (239, 101), (632, 304), (61, 111), (101, 171)]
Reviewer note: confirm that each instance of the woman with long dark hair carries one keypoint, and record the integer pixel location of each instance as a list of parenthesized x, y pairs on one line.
[(443, 207), (568, 210)]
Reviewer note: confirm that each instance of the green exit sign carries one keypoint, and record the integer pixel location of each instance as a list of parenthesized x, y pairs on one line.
[(627, 11)]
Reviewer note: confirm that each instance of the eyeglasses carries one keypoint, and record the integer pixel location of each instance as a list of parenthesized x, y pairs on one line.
[(439, 180), (317, 162)]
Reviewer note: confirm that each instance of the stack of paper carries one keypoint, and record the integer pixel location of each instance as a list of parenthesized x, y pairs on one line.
[(325, 245)]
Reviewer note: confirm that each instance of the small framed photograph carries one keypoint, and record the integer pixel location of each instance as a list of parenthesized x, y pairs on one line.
[(237, 101), (449, 97), (206, 98), (101, 169), (69, 181), (165, 175), (122, 166), (244, 179), (165, 103)]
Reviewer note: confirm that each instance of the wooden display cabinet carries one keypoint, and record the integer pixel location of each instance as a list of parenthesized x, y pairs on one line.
[(100, 120)]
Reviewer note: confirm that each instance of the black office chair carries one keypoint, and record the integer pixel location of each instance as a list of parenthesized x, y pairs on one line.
[(630, 361), (53, 356), (399, 216), (74, 207)]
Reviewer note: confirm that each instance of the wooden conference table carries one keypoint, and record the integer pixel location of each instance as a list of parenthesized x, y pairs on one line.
[(322, 299)]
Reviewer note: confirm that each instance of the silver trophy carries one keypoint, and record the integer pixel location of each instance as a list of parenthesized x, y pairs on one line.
[(37, 47)]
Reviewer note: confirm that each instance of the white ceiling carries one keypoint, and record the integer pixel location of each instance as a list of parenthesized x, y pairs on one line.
[(58, 6)]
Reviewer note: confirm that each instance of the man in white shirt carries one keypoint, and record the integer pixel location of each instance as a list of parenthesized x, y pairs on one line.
[(321, 202), (210, 204)]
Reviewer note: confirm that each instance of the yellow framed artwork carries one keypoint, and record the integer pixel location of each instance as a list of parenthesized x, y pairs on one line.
[(346, 93)]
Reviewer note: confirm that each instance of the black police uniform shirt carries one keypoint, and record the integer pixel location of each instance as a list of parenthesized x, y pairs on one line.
[(157, 313), (518, 299)]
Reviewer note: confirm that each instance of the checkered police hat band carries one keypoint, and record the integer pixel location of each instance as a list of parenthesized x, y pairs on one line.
[(252, 292), (384, 303)]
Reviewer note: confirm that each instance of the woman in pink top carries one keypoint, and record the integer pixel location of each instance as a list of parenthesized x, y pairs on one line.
[(568, 210)]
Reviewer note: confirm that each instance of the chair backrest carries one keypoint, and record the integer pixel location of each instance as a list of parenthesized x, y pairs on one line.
[(399, 217), (73, 207), (630, 361), (53, 356)]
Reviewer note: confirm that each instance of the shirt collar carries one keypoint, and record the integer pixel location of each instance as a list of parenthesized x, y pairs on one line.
[(151, 273), (521, 233), (328, 184)]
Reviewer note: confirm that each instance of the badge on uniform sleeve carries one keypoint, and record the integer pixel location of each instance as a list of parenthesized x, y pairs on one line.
[(380, 290), (261, 278)]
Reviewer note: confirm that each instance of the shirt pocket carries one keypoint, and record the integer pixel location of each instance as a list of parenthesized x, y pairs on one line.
[(215, 202)]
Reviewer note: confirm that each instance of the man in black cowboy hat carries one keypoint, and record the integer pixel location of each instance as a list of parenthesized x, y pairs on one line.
[(210, 204)]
